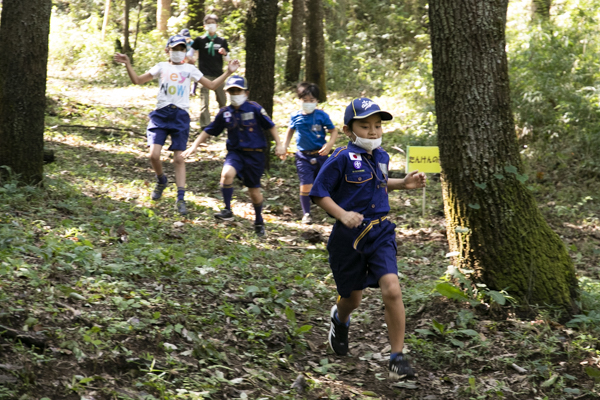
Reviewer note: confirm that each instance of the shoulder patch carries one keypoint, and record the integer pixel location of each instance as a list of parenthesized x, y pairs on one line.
[(263, 112)]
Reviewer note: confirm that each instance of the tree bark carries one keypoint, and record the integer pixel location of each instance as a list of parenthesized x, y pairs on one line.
[(509, 245), (261, 34), (315, 47), (196, 14), (294, 53), (163, 13), (126, 45), (23, 86)]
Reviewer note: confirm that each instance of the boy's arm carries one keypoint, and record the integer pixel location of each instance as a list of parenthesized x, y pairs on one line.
[(279, 149), (349, 218), (414, 180), (135, 79), (213, 85), (199, 140), (329, 145), (288, 138)]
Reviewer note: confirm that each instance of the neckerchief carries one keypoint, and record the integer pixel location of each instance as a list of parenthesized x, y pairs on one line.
[(211, 45)]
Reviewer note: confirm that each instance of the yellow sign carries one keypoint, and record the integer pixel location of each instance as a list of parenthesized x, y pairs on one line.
[(423, 159)]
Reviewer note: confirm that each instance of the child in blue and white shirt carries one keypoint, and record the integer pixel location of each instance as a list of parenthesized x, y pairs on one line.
[(171, 116), (313, 148)]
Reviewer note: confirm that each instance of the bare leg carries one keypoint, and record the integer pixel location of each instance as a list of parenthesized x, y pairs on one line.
[(179, 164), (346, 305), (227, 175), (255, 195), (154, 154), (394, 310)]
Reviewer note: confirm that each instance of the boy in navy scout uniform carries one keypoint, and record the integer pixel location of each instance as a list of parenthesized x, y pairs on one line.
[(353, 188), (312, 126), (171, 117), (246, 147)]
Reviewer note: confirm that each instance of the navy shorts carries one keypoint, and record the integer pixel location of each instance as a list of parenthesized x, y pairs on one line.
[(308, 165), (249, 165), (169, 120), (360, 256)]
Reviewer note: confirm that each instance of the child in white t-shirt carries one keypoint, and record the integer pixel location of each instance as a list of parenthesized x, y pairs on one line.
[(171, 117)]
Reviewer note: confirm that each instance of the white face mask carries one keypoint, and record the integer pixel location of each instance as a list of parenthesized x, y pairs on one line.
[(177, 56), (367, 144), (237, 99), (211, 28), (308, 107)]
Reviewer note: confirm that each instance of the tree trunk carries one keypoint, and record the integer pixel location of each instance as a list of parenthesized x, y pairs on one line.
[(294, 53), (541, 8), (315, 47), (126, 45), (23, 86), (196, 14), (261, 34), (105, 19), (509, 245), (163, 13)]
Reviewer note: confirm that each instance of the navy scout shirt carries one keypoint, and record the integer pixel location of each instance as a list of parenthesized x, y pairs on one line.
[(310, 129), (355, 180), (244, 126)]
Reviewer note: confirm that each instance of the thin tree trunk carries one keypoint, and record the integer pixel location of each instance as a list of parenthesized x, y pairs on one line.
[(126, 46), (541, 8), (294, 53), (163, 13), (23, 86), (508, 244), (315, 47), (196, 14), (261, 34), (105, 19), (137, 24)]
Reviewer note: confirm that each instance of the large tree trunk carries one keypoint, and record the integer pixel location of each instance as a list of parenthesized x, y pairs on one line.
[(294, 53), (315, 47), (261, 34), (196, 14), (24, 33), (163, 13), (508, 245)]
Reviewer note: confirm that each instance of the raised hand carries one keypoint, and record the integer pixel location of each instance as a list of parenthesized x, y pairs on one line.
[(233, 65), (121, 58)]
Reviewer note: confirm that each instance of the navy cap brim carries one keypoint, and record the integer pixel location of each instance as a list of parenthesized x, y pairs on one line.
[(385, 116), (237, 86), (177, 43)]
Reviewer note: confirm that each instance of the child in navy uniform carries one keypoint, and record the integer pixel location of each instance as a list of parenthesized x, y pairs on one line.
[(246, 147), (171, 117), (352, 187), (312, 126)]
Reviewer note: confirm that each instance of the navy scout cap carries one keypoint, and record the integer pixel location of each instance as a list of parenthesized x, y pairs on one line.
[(236, 81), (185, 32), (362, 108), (175, 40)]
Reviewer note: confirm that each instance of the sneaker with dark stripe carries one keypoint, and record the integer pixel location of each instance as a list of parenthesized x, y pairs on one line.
[(181, 207), (338, 334), (400, 368), (159, 188)]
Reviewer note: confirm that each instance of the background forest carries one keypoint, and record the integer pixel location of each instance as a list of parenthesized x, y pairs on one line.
[(107, 295)]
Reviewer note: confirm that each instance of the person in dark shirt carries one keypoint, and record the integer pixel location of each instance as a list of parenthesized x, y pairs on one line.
[(245, 122), (212, 51)]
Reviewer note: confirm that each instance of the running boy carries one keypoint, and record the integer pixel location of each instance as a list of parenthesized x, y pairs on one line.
[(353, 188), (313, 150), (171, 116), (246, 145)]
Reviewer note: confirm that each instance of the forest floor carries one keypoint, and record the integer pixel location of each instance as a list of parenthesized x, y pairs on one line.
[(113, 296)]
